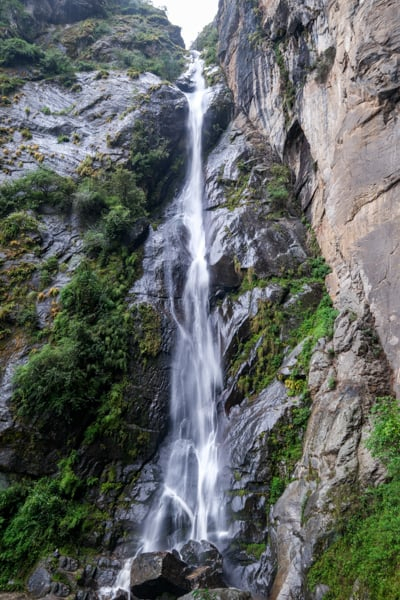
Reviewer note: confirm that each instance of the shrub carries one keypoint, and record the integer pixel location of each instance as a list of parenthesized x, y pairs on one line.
[(35, 519), (9, 83), (88, 203), (278, 186), (117, 223), (51, 385), (85, 296), (56, 63), (15, 51), (122, 183), (207, 43), (16, 224), (36, 189), (95, 243)]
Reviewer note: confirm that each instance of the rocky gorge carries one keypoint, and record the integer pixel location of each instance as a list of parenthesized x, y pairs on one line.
[(301, 176)]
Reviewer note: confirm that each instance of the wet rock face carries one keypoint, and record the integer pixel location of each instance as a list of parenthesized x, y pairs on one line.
[(217, 116), (250, 425), (246, 231)]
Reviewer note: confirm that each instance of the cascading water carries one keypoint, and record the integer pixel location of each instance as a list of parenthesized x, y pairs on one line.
[(189, 506)]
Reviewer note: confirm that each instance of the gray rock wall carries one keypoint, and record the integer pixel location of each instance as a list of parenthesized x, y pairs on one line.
[(320, 80)]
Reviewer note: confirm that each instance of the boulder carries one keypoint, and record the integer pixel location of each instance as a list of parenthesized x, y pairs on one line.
[(207, 563), (156, 573), (197, 553), (39, 583)]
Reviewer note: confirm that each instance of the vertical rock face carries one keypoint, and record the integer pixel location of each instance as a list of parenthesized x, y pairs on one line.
[(320, 80)]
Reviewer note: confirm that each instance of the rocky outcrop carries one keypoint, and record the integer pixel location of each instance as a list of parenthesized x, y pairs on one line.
[(322, 84), (79, 132), (320, 80), (345, 377)]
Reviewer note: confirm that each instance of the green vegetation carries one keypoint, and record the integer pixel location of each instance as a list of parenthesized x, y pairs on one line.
[(287, 86), (152, 154), (278, 186), (15, 225), (139, 35), (148, 331), (255, 550), (37, 517), (15, 51), (285, 445), (365, 557), (384, 441), (66, 380), (14, 18), (303, 315), (36, 189), (57, 66), (207, 44), (74, 387), (19, 236), (277, 328), (8, 83)]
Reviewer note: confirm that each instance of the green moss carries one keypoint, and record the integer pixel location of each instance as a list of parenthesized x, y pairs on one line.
[(148, 331), (255, 550)]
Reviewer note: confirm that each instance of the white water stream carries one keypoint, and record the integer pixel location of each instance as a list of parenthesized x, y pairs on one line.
[(189, 505)]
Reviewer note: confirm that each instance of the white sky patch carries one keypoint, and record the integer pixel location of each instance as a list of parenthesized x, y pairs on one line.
[(191, 15)]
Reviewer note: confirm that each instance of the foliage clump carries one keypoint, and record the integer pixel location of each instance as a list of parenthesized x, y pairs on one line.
[(35, 190), (207, 43), (15, 51), (36, 518), (365, 557)]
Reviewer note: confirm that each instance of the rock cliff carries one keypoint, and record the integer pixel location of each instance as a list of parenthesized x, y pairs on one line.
[(320, 80), (301, 155)]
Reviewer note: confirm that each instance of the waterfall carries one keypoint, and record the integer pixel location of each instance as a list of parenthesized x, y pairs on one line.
[(189, 506)]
